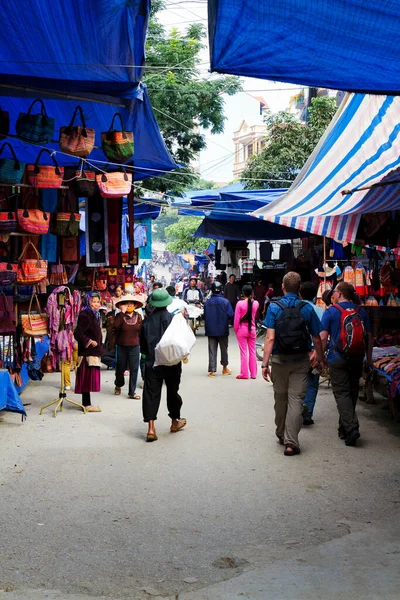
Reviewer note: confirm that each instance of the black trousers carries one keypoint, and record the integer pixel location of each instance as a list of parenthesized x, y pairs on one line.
[(86, 399), (345, 378), (127, 356), (153, 381)]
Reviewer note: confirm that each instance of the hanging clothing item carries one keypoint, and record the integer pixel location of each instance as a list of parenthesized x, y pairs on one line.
[(139, 233), (286, 253), (247, 266), (360, 281), (349, 275), (266, 250), (62, 310)]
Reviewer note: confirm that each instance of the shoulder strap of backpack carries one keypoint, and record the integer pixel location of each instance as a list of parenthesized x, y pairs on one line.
[(281, 304), (300, 304), (339, 308)]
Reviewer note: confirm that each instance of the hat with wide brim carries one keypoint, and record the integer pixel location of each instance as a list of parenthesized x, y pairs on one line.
[(160, 298), (130, 298)]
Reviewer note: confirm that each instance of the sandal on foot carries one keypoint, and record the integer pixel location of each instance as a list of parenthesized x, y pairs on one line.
[(212, 374), (226, 371), (240, 377), (291, 450), (151, 437), (179, 425), (134, 396), (93, 408), (117, 391)]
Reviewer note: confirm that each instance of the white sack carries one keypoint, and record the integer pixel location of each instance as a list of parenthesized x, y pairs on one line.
[(176, 343)]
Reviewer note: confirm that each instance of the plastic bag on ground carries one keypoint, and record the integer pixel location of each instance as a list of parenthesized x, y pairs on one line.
[(176, 343)]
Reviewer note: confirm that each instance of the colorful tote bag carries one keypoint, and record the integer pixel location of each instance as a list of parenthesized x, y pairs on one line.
[(11, 169), (4, 123), (8, 270), (34, 324), (45, 176), (84, 184), (65, 224), (36, 129), (77, 140), (33, 220), (8, 218), (117, 145), (114, 185), (31, 270)]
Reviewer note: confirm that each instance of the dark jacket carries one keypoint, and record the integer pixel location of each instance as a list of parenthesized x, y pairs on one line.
[(217, 312), (88, 328), (154, 327), (232, 292), (127, 329)]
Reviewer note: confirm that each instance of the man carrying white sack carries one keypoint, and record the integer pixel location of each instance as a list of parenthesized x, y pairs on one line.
[(154, 327)]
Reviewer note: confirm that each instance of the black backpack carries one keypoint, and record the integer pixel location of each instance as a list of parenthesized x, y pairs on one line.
[(291, 331)]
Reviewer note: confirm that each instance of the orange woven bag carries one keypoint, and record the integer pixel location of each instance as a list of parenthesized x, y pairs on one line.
[(114, 185), (31, 270), (75, 139), (45, 176)]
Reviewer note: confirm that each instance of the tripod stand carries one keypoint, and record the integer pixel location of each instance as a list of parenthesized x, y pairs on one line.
[(62, 396)]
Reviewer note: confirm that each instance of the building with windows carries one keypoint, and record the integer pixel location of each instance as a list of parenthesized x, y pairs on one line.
[(249, 139)]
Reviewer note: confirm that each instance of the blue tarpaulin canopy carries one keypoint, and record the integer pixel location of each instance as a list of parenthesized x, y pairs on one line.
[(342, 44), (230, 219), (145, 211), (90, 46)]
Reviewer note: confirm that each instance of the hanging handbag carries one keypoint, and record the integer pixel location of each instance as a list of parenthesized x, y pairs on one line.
[(8, 218), (65, 224), (114, 185), (31, 270), (33, 220), (84, 184), (36, 129), (45, 176), (58, 275), (4, 123), (117, 145), (77, 140), (8, 270), (11, 169), (34, 324), (7, 326)]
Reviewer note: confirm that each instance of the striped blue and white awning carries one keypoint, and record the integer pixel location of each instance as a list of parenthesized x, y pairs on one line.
[(361, 148)]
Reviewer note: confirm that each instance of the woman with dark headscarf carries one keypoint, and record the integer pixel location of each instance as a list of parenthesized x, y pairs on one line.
[(90, 348), (245, 328)]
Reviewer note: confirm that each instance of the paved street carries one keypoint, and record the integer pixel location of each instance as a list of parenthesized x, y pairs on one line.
[(90, 511)]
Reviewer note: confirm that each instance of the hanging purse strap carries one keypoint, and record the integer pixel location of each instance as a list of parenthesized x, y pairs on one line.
[(22, 255), (10, 211), (42, 109), (39, 204), (104, 178), (68, 129), (17, 164), (36, 170), (111, 129), (34, 296), (6, 257)]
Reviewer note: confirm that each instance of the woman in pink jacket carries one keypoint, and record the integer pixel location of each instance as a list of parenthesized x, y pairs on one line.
[(245, 329)]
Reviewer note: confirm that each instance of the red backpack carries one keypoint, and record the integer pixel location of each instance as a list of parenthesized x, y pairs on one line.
[(351, 340)]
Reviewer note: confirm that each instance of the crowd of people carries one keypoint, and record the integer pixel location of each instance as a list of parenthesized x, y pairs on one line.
[(301, 342)]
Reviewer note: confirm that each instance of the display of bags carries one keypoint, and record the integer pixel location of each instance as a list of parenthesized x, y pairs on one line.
[(4, 123), (34, 324), (8, 270), (36, 129), (11, 169), (33, 220), (8, 218), (65, 224), (45, 176), (84, 184), (114, 185), (117, 145), (176, 343), (31, 270), (77, 140)]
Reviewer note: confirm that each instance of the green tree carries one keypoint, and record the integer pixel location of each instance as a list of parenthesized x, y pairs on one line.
[(168, 216), (288, 145), (182, 99), (179, 236)]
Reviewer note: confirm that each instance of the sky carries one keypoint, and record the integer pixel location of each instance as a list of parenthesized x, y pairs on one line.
[(216, 162)]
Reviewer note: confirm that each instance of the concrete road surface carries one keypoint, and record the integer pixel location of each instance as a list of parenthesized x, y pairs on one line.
[(90, 511)]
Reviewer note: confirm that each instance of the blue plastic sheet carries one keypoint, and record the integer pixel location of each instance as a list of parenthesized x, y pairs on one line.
[(341, 44), (9, 399), (90, 46)]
